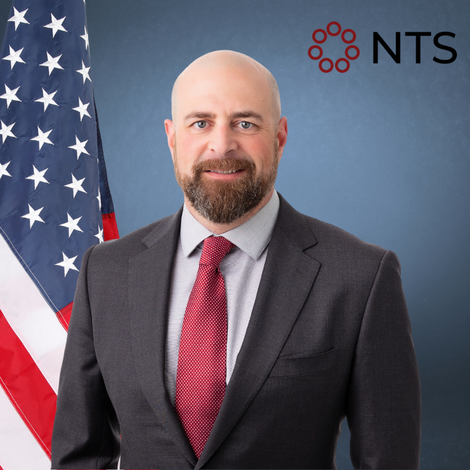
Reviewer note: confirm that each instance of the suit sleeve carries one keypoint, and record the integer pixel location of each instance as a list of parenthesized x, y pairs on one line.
[(86, 433), (384, 397)]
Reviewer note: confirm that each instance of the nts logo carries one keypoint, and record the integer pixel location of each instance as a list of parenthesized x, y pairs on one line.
[(351, 52)]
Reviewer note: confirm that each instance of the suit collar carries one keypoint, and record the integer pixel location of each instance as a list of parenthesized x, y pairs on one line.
[(292, 227), (165, 231)]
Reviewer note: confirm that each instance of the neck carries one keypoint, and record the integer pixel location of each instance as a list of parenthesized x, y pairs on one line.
[(218, 229)]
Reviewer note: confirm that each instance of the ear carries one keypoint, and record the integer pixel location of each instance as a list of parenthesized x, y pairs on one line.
[(281, 135), (170, 134)]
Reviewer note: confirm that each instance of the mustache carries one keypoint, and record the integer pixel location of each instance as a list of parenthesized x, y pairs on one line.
[(224, 164)]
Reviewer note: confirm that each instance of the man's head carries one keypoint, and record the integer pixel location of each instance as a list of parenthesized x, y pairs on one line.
[(226, 137)]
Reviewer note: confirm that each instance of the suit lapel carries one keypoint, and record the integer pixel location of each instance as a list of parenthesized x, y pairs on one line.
[(287, 279), (149, 287)]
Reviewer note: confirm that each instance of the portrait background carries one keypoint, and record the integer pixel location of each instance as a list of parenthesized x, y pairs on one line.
[(382, 150)]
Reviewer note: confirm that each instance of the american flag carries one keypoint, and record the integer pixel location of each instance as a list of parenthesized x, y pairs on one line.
[(54, 204)]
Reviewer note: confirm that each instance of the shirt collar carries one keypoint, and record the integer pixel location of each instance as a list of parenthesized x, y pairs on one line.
[(252, 237)]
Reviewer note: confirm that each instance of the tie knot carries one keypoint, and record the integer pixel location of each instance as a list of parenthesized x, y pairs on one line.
[(214, 250)]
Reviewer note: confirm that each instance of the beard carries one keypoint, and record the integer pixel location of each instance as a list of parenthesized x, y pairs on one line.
[(222, 202)]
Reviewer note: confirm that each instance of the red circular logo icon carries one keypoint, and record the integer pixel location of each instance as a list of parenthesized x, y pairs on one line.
[(319, 36)]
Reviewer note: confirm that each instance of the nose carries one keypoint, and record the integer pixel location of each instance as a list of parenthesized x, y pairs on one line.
[(222, 140)]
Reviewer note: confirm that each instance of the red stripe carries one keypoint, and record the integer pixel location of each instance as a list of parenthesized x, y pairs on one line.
[(26, 387), (110, 229), (64, 316)]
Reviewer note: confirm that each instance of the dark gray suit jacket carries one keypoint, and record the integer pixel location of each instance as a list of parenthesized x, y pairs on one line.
[(329, 337)]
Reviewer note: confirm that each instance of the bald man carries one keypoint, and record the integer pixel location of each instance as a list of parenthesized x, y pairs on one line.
[(236, 333)]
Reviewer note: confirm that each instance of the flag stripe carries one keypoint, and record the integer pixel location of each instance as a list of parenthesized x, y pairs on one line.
[(110, 229), (26, 387), (18, 448), (30, 316), (64, 316)]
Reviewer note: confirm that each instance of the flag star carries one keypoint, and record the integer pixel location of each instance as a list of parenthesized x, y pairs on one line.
[(76, 185), (14, 57), (85, 38), (82, 109), (5, 131), (3, 170), (79, 147), (42, 138), (56, 25), (33, 216), (85, 71), (99, 235), (99, 198), (18, 17), (67, 264), (10, 95), (38, 177), (52, 63), (72, 224), (47, 99)]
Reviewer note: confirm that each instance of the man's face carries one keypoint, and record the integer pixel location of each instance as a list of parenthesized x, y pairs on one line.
[(225, 142)]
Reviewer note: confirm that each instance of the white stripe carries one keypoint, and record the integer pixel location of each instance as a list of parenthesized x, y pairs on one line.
[(30, 317), (19, 450)]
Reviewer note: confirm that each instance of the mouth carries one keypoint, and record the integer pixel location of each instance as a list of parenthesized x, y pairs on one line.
[(224, 175), (224, 169), (223, 172)]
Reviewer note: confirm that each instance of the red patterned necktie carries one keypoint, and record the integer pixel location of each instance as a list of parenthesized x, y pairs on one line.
[(200, 377)]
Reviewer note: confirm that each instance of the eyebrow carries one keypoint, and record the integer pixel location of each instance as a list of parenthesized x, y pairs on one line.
[(242, 114)]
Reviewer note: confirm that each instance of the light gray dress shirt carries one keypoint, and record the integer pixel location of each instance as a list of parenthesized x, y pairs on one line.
[(241, 269)]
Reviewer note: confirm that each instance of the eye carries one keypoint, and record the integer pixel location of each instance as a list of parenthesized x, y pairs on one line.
[(246, 124), (200, 124)]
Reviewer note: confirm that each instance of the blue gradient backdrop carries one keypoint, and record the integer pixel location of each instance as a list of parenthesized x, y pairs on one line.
[(382, 150)]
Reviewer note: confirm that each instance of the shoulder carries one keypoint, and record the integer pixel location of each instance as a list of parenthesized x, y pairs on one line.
[(121, 250), (330, 244)]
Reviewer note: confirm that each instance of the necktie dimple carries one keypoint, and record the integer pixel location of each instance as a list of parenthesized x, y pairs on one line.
[(200, 377)]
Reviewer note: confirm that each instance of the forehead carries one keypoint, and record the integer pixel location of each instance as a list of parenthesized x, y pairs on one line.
[(222, 89)]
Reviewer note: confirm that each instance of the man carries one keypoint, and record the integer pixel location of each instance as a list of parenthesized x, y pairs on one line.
[(252, 360)]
